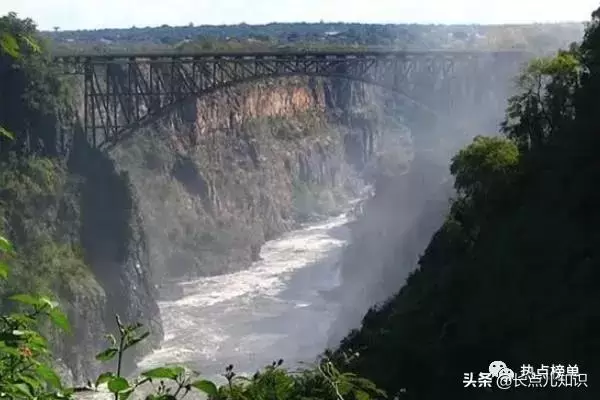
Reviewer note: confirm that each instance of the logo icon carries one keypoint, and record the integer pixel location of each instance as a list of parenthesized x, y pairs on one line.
[(504, 375)]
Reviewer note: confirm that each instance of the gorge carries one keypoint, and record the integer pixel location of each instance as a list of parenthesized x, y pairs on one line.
[(230, 226), (220, 175)]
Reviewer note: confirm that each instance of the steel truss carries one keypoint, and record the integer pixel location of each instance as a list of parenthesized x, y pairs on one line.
[(124, 92)]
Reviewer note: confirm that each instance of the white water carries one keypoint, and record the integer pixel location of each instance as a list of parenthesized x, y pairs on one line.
[(278, 308), (273, 310)]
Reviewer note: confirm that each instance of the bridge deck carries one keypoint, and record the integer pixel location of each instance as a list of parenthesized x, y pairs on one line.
[(283, 54)]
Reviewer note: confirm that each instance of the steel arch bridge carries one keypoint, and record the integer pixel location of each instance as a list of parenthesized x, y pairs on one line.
[(123, 92)]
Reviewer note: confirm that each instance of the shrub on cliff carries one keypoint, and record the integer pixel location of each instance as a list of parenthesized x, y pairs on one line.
[(37, 211), (27, 74)]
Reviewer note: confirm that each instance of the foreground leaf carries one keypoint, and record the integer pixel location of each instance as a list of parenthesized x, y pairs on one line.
[(360, 395), (47, 302), (3, 270), (117, 384), (107, 354), (124, 395), (164, 372), (49, 375), (6, 133), (103, 378), (26, 299), (136, 340), (60, 319), (207, 387), (23, 388), (112, 339), (5, 245)]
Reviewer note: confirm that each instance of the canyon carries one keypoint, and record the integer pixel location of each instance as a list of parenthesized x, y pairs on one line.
[(225, 173), (195, 195), (288, 195)]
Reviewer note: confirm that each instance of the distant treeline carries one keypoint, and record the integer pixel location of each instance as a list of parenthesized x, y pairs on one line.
[(537, 37)]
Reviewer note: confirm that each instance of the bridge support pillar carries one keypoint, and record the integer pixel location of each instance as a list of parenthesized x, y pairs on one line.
[(89, 108)]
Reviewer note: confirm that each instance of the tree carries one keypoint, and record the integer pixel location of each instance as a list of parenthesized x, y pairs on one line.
[(28, 75), (10, 46), (545, 104), (486, 165)]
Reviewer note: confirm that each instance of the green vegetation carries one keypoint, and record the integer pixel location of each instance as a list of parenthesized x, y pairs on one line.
[(30, 77), (512, 274), (35, 190), (10, 45)]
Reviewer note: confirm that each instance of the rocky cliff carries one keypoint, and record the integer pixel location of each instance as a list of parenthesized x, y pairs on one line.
[(228, 171), (72, 216)]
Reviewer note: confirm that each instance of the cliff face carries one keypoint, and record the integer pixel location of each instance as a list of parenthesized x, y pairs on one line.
[(226, 172), (115, 248)]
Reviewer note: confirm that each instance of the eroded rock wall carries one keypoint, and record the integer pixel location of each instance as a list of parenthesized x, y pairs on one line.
[(228, 171)]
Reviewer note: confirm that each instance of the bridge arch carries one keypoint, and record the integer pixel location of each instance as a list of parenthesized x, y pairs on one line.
[(129, 131)]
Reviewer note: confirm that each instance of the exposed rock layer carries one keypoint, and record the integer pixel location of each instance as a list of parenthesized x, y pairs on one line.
[(226, 172)]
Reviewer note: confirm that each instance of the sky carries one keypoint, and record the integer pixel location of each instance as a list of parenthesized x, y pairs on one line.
[(95, 14)]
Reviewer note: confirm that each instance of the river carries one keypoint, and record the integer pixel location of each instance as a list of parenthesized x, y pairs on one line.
[(278, 308)]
